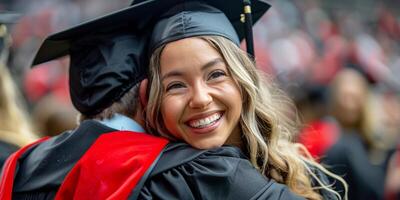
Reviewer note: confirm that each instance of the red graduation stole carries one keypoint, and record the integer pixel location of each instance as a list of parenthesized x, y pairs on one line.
[(110, 169), (8, 173)]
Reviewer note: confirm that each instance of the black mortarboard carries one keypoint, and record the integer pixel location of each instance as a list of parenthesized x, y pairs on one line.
[(189, 18), (103, 68)]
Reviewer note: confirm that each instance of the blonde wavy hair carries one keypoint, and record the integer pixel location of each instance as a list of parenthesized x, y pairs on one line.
[(267, 125), (15, 127)]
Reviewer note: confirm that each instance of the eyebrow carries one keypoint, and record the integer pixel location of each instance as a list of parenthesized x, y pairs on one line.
[(204, 67)]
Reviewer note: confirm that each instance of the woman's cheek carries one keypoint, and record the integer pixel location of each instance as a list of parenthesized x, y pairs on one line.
[(171, 112)]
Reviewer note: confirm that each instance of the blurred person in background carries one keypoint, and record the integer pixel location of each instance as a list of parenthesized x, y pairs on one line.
[(385, 122), (319, 131), (15, 129), (392, 133), (350, 155)]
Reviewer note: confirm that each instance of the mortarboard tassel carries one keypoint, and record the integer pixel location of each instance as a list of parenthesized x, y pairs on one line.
[(248, 23)]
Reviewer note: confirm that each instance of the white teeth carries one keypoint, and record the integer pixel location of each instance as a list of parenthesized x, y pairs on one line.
[(201, 123)]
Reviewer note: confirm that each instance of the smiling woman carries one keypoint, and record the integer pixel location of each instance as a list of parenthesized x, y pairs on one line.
[(206, 92)]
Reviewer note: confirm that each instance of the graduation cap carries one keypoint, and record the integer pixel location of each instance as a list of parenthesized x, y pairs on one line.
[(103, 68), (169, 19), (213, 17)]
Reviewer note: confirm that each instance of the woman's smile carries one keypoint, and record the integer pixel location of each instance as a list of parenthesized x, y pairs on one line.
[(201, 103), (205, 125), (205, 122)]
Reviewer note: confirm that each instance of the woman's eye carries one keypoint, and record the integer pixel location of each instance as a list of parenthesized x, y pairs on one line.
[(174, 86), (216, 74)]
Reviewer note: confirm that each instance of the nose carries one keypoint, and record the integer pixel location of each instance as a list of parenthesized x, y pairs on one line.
[(201, 97)]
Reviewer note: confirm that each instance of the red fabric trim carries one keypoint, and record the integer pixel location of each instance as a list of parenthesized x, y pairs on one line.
[(8, 173), (112, 166), (318, 137)]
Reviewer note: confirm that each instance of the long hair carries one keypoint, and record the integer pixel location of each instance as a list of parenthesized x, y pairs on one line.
[(15, 126), (266, 123)]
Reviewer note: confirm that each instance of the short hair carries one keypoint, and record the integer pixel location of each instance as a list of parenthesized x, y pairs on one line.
[(126, 105)]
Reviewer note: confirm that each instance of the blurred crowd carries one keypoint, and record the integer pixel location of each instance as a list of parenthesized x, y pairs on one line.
[(338, 60)]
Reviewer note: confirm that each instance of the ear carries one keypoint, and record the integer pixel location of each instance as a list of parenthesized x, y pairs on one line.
[(143, 92)]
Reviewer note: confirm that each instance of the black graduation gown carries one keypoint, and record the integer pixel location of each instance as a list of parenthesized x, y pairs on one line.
[(180, 173), (348, 157), (6, 149), (222, 173), (42, 169)]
